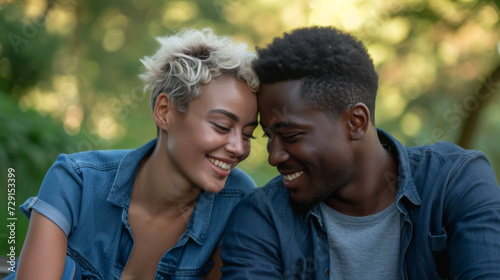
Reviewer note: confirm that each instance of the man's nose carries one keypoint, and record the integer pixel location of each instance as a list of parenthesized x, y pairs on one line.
[(277, 154)]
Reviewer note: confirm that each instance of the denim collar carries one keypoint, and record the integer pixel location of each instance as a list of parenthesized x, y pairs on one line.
[(121, 192), (406, 185), (405, 180), (197, 228), (121, 189)]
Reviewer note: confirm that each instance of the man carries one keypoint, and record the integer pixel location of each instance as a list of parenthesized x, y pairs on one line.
[(351, 201)]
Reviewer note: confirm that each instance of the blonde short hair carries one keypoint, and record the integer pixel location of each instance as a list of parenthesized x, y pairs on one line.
[(192, 58)]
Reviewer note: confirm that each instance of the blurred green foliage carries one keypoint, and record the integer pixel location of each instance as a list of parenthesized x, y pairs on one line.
[(29, 144)]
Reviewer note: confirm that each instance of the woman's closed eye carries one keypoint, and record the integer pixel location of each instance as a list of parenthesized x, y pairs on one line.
[(248, 136), (224, 129), (221, 128)]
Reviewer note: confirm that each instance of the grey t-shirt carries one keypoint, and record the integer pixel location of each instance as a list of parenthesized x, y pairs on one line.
[(363, 247)]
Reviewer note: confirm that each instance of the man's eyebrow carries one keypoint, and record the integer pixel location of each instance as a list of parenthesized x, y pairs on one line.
[(277, 126), (231, 116)]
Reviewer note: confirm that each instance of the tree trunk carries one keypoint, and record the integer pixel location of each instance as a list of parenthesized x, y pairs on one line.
[(483, 94)]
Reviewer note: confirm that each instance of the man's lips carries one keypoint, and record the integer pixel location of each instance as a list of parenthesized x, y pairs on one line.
[(290, 172)]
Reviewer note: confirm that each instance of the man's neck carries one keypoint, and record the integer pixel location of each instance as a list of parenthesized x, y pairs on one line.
[(375, 186)]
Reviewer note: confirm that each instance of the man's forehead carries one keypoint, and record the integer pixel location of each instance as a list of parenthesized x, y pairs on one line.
[(284, 90), (280, 104), (275, 114)]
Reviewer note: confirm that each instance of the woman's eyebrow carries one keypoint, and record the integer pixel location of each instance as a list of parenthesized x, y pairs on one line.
[(226, 113), (231, 116)]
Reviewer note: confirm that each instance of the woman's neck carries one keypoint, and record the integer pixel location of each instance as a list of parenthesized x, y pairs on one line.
[(161, 192)]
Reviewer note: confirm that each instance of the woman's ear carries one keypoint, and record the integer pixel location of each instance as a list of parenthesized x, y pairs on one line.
[(161, 111), (359, 120)]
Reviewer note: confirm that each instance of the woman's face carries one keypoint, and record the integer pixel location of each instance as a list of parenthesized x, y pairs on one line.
[(209, 140)]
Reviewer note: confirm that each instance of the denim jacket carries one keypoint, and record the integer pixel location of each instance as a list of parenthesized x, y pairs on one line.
[(449, 200), (88, 194)]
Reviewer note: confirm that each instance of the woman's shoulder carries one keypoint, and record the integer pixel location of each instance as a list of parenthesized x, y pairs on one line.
[(96, 159)]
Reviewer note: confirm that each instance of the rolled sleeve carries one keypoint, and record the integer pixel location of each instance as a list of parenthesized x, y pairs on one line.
[(49, 211), (59, 197)]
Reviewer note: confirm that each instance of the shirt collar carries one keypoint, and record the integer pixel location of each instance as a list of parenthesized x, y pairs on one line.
[(405, 179), (125, 175), (314, 212), (197, 228)]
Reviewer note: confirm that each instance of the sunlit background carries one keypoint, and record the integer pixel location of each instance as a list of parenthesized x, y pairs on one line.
[(68, 72)]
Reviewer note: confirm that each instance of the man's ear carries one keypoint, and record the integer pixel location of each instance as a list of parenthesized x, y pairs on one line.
[(359, 120), (163, 106)]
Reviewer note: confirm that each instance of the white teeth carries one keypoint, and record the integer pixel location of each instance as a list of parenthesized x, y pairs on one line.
[(221, 164), (291, 177)]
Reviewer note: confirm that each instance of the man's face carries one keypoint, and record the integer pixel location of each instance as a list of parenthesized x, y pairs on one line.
[(309, 148)]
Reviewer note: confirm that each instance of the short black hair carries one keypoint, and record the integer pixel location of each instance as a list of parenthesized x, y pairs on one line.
[(335, 68)]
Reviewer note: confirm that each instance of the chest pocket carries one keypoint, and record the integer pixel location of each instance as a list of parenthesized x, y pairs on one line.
[(441, 259)]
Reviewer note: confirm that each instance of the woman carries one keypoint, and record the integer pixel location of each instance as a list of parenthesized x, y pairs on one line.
[(161, 209)]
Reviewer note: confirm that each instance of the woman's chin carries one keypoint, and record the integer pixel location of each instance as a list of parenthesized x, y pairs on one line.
[(214, 187)]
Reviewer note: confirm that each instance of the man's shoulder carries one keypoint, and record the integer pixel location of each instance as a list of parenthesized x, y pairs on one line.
[(271, 196), (446, 171), (274, 187), (270, 202), (442, 153), (240, 182), (444, 148)]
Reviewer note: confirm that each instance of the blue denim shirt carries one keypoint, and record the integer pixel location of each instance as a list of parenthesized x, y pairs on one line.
[(450, 205), (88, 194)]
